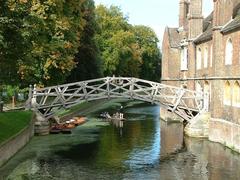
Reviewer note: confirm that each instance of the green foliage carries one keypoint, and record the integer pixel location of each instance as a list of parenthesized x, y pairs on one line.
[(117, 44), (7, 91), (45, 42), (150, 53), (88, 59), (43, 39), (125, 49)]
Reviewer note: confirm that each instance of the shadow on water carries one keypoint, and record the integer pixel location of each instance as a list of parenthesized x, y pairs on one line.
[(81, 152)]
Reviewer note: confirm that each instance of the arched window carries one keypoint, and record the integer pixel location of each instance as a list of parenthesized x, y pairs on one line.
[(227, 93), (229, 52), (199, 58), (236, 94), (184, 59), (211, 56), (205, 57), (206, 95), (198, 87)]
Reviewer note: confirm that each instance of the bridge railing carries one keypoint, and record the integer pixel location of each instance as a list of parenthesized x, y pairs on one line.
[(185, 103)]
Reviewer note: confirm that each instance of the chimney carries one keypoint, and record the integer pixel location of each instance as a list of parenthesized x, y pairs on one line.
[(183, 12), (195, 19)]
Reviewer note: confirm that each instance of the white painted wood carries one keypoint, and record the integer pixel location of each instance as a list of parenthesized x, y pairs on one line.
[(183, 102)]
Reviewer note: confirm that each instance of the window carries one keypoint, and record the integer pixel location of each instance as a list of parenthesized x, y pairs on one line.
[(227, 93), (184, 59), (199, 58), (206, 95), (236, 94), (205, 57), (228, 52), (198, 87), (211, 56)]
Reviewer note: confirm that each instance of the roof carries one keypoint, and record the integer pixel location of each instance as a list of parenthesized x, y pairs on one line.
[(232, 25), (235, 23), (174, 37), (207, 30)]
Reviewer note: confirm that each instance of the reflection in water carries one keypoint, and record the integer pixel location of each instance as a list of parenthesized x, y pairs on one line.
[(171, 138), (142, 151), (119, 124)]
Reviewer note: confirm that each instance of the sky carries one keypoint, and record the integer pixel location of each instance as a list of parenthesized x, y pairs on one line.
[(154, 13)]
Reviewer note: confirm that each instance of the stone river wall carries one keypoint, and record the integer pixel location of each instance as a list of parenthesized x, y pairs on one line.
[(14, 144)]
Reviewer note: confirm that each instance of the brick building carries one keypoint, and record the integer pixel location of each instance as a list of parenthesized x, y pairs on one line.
[(203, 54)]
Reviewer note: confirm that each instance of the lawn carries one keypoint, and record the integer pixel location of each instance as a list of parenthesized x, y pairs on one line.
[(12, 123)]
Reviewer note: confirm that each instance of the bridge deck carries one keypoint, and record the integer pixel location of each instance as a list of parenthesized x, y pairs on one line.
[(185, 103)]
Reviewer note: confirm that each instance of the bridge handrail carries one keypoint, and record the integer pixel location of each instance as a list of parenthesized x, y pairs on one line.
[(111, 78), (176, 99)]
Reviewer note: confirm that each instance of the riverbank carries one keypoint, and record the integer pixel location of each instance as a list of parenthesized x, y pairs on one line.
[(11, 123), (16, 129)]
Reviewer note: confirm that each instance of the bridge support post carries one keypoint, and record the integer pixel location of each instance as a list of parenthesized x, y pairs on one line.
[(199, 126), (41, 125), (168, 116)]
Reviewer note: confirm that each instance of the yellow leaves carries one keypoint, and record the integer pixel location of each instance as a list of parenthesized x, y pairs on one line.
[(12, 5), (23, 1), (37, 49), (47, 77), (63, 24), (22, 71), (68, 45), (55, 55), (55, 60), (38, 9), (50, 2), (48, 63)]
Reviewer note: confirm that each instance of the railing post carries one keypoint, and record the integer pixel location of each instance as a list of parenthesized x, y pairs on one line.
[(29, 101), (108, 86), (154, 92), (34, 97), (131, 87)]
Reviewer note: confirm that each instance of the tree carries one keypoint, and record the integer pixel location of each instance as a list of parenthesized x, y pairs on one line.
[(43, 40), (112, 39), (88, 58), (126, 50), (150, 53)]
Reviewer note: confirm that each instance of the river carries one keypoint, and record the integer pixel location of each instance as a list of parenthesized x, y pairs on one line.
[(145, 148)]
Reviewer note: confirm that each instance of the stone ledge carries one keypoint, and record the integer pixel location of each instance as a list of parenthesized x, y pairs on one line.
[(199, 127), (225, 132)]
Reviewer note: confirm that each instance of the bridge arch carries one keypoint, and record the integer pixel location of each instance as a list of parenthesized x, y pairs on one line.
[(185, 103)]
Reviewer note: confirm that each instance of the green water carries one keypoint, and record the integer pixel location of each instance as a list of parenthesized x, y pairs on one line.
[(145, 148)]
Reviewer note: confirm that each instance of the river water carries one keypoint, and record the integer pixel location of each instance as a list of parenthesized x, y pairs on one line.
[(145, 148)]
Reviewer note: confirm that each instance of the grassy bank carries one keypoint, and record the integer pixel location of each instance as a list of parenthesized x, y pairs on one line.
[(12, 123)]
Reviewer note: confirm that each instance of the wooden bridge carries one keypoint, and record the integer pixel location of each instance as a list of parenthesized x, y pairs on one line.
[(185, 103)]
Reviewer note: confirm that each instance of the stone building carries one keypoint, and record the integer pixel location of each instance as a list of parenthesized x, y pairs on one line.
[(203, 54)]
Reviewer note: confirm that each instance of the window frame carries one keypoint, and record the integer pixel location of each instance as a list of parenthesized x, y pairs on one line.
[(227, 99), (236, 96), (205, 60), (229, 52), (184, 59), (199, 58)]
